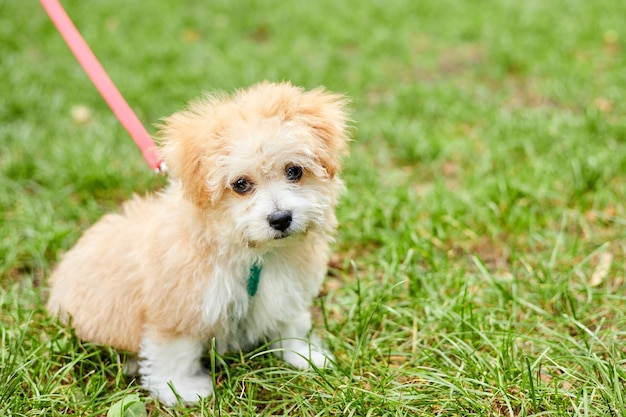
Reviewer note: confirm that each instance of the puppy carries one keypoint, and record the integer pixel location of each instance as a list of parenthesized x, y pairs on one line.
[(234, 249)]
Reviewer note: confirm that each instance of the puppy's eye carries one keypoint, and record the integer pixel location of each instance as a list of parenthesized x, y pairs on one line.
[(242, 186), (293, 173)]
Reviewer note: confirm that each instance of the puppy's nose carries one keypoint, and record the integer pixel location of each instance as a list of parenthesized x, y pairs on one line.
[(280, 220)]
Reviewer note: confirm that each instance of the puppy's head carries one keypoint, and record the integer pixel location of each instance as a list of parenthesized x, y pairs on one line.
[(266, 158)]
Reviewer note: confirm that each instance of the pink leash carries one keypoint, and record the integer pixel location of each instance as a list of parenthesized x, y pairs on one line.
[(104, 84)]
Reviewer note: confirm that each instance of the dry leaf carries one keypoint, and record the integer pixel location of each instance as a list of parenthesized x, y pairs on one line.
[(605, 260)]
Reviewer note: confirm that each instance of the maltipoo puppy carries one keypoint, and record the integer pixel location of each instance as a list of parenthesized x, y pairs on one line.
[(234, 249)]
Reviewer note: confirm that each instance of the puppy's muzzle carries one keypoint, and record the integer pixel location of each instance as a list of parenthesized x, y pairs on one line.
[(280, 220)]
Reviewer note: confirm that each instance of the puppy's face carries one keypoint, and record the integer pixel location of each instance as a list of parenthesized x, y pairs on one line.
[(263, 162)]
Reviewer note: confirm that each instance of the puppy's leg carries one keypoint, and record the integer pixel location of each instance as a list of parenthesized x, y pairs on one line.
[(299, 348), (174, 364)]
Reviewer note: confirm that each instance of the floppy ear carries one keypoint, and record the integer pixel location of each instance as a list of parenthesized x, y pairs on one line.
[(325, 114), (188, 140)]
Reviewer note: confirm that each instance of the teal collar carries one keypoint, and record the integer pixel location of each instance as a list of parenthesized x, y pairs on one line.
[(253, 279)]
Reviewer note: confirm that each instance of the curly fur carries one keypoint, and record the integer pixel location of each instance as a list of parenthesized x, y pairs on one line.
[(169, 273)]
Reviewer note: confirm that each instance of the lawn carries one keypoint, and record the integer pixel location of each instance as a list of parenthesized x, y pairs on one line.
[(479, 268)]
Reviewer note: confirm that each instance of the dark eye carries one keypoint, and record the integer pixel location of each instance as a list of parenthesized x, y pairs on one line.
[(293, 173), (242, 186)]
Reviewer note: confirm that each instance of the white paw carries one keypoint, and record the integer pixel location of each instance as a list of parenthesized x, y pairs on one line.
[(172, 372), (189, 389), (303, 355), (322, 358)]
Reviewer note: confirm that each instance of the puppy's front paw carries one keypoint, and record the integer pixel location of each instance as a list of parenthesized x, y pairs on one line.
[(304, 355), (310, 358), (172, 372), (321, 358), (189, 389)]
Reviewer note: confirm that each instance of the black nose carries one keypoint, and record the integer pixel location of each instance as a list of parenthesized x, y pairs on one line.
[(280, 220)]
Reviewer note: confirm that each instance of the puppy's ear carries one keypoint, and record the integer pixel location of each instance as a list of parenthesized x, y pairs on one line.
[(188, 140), (326, 115)]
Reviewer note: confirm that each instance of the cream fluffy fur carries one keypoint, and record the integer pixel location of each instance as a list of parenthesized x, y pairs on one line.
[(169, 274)]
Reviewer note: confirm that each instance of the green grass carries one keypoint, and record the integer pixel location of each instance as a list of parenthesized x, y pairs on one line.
[(481, 260)]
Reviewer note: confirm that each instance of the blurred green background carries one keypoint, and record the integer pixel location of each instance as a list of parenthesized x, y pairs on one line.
[(479, 265)]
